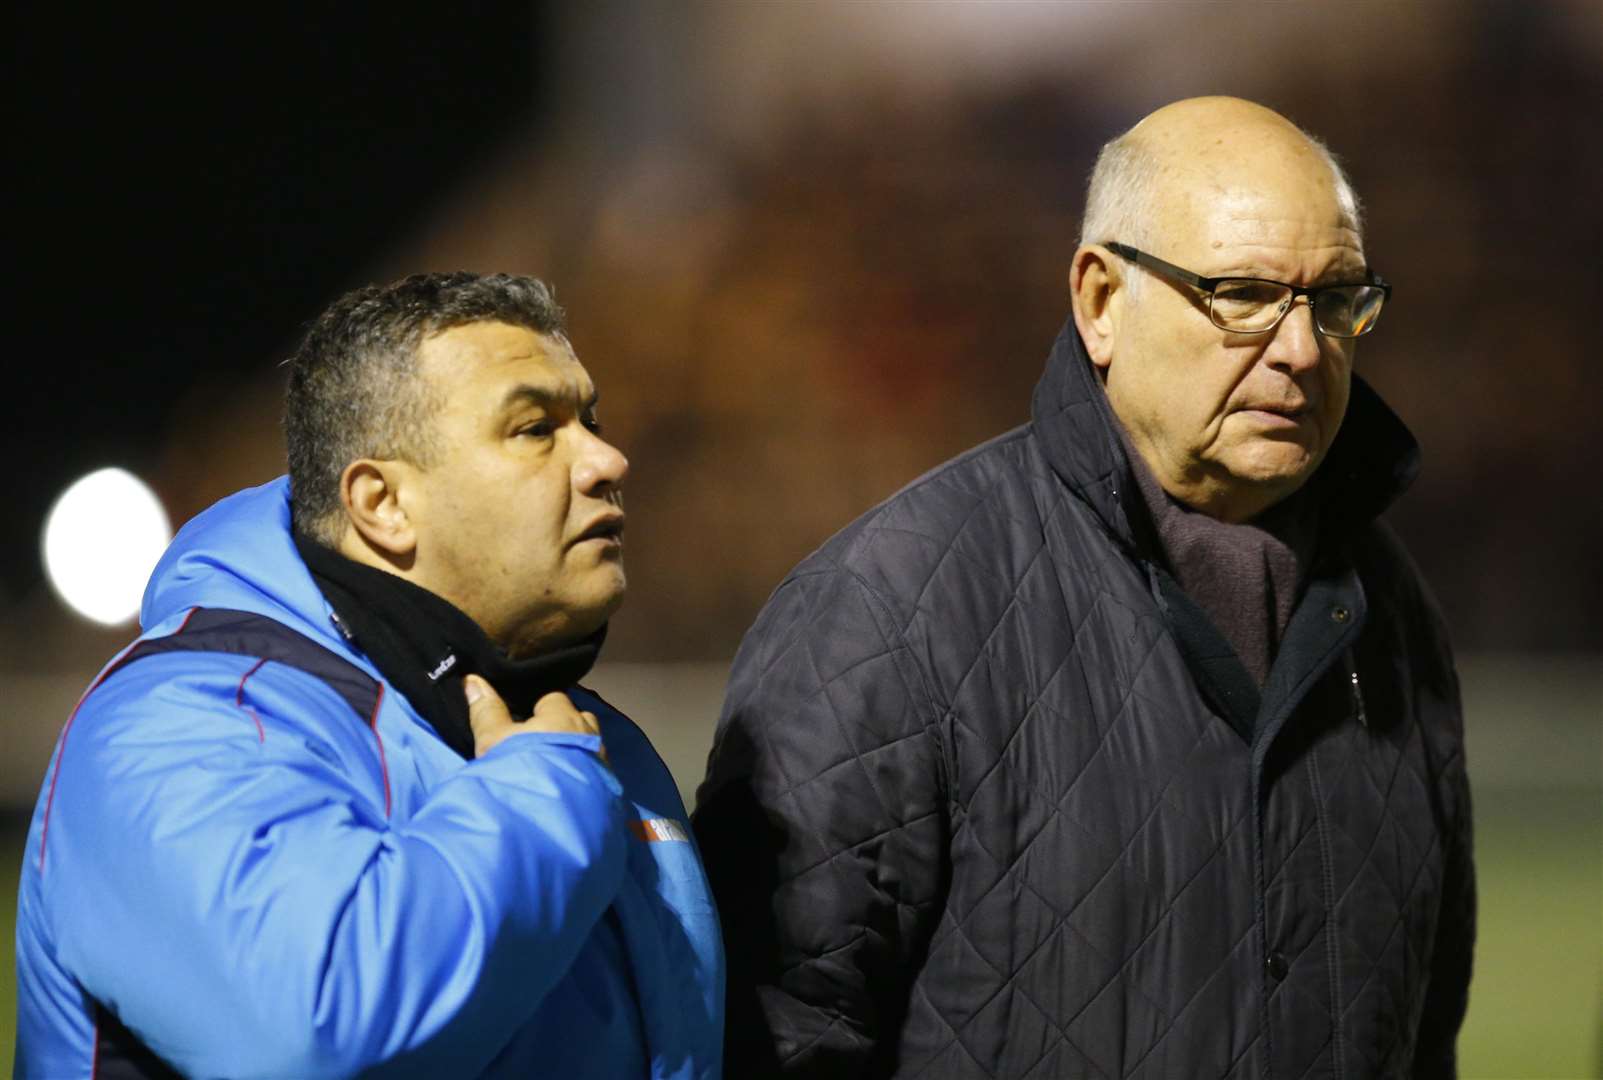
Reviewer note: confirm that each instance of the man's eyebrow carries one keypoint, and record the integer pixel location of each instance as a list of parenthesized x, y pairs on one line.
[(1246, 270), (1331, 277), (546, 396)]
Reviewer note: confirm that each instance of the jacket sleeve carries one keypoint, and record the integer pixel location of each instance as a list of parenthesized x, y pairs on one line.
[(238, 896), (822, 822), (1447, 994), (1423, 642)]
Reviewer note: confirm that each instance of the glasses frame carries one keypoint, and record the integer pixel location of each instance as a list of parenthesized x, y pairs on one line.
[(1209, 284)]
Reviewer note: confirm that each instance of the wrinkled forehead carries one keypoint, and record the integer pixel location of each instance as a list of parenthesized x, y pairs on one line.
[(467, 347), (483, 358), (1275, 196)]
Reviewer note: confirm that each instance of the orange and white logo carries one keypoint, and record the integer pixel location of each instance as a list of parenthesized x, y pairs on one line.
[(658, 830)]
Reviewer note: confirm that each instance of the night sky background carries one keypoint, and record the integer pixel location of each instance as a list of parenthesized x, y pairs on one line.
[(827, 241), (188, 191)]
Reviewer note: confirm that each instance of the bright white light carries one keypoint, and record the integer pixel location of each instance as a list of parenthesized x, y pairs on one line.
[(102, 540)]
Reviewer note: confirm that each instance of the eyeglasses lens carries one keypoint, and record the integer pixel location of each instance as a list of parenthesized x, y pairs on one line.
[(1247, 305), (1348, 311)]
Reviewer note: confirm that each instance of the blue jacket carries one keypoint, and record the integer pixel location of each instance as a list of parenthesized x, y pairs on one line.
[(229, 863)]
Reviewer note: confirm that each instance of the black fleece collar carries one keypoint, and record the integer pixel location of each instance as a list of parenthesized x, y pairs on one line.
[(425, 645)]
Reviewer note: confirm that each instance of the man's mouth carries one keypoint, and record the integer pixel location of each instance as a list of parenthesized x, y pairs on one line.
[(1288, 412), (606, 527)]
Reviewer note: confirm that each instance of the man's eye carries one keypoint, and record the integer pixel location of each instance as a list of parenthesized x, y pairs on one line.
[(592, 424), (1248, 293), (540, 429)]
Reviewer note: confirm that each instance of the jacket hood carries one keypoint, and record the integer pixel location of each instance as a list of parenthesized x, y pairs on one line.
[(238, 554), (1372, 460)]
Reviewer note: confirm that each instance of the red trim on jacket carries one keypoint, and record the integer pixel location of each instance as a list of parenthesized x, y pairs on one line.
[(61, 747)]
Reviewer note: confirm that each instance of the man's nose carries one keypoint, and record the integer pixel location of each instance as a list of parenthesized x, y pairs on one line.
[(1295, 344), (601, 467)]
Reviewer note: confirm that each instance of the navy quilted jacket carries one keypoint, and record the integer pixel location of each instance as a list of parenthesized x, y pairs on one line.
[(990, 797)]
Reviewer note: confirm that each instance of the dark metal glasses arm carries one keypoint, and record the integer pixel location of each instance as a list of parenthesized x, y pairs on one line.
[(1167, 269), (1208, 284)]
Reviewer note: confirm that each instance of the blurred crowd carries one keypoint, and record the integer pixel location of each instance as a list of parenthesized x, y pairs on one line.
[(787, 326)]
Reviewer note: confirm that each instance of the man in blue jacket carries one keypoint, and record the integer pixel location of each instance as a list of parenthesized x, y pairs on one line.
[(341, 808)]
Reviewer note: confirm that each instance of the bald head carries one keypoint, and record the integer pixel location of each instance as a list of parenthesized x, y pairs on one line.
[(1195, 151)]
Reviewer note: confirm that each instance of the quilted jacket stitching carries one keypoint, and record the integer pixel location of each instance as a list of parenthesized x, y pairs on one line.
[(832, 856), (870, 594), (1241, 939), (1118, 717), (1364, 861), (1374, 969), (1327, 881), (1064, 923)]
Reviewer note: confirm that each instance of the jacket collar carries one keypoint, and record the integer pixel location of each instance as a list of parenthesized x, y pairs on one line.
[(425, 646), (1373, 459)]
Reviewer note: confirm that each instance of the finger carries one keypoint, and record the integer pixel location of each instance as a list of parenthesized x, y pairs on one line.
[(557, 710), (486, 711), (593, 727)]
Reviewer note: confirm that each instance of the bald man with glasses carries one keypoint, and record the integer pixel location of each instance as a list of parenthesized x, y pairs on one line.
[(1128, 743)]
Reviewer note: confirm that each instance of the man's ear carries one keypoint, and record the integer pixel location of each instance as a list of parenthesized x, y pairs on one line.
[(1095, 293), (371, 492)]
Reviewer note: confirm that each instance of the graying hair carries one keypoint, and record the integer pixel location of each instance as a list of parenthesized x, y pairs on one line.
[(355, 390)]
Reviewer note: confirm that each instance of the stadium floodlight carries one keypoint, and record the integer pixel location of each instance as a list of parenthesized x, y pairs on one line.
[(102, 538)]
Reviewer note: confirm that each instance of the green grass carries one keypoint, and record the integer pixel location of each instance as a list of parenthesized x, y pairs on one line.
[(12, 834), (1538, 992), (1536, 1002)]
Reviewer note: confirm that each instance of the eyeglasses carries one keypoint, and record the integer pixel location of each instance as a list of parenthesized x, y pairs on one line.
[(1256, 306)]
